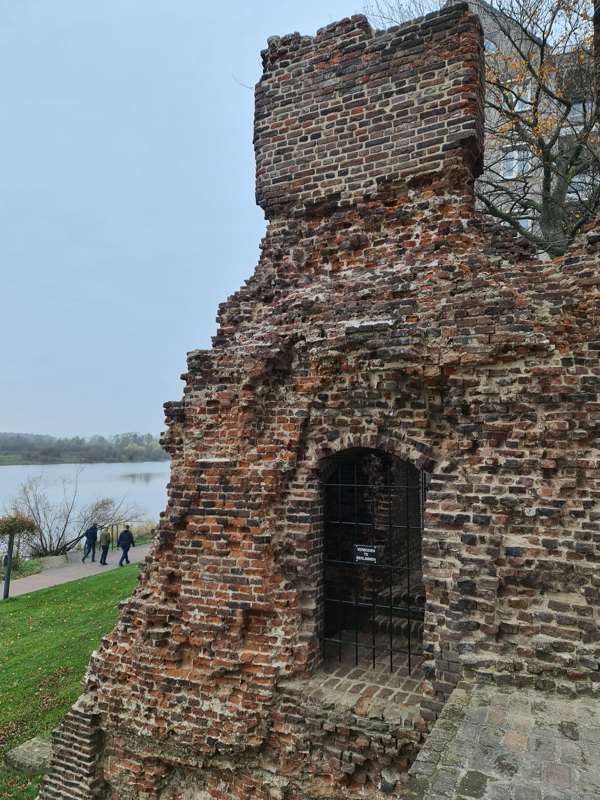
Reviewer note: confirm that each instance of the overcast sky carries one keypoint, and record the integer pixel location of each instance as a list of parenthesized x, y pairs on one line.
[(127, 207)]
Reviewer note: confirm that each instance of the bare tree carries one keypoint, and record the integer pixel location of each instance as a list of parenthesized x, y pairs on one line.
[(542, 168), (386, 13), (61, 524)]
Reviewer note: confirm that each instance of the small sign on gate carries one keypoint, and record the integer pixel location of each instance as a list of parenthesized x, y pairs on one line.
[(365, 554)]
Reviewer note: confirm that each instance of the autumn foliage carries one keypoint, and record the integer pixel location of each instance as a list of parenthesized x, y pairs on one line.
[(542, 170)]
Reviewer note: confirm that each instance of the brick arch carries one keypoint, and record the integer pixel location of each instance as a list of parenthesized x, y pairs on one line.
[(441, 538), (305, 538), (420, 454)]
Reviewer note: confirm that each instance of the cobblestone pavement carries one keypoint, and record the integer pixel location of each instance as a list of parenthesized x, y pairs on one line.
[(351, 680), (501, 743), (352, 684)]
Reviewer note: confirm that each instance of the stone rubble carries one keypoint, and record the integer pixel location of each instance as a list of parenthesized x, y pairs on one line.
[(29, 758)]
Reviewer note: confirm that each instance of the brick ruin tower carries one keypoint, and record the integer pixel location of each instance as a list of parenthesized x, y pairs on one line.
[(384, 472)]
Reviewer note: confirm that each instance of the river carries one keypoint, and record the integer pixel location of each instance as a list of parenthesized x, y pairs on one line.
[(143, 484)]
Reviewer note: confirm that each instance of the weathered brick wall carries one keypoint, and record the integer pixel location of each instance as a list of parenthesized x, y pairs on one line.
[(383, 314), (338, 114), (597, 43)]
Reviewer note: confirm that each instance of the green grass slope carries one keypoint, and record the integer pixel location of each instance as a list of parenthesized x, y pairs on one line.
[(46, 639)]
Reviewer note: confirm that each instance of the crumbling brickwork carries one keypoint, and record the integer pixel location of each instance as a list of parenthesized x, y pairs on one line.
[(383, 317)]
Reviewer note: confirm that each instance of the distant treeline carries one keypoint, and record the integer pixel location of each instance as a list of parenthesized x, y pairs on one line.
[(31, 448)]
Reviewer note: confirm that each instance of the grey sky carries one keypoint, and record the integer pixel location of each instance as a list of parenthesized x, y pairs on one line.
[(127, 196)]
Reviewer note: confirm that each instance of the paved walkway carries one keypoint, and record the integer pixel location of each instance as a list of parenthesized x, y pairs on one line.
[(510, 743), (72, 571)]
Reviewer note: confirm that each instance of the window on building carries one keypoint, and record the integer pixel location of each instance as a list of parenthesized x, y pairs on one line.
[(522, 101), (577, 111), (581, 186), (516, 97), (514, 164), (525, 223)]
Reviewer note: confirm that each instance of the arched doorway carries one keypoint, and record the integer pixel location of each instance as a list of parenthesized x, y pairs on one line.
[(373, 598)]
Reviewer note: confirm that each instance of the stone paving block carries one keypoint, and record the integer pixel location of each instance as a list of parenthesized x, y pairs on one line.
[(499, 791), (498, 717), (567, 710), (483, 758), (473, 784), (446, 781), (450, 757), (568, 730), (587, 783), (521, 722), (506, 764), (476, 716), (591, 751), (525, 791), (555, 761), (515, 741), (490, 737), (591, 733), (29, 758), (570, 753), (558, 776), (531, 768), (544, 748)]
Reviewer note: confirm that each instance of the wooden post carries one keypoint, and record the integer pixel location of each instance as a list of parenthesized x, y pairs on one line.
[(8, 567)]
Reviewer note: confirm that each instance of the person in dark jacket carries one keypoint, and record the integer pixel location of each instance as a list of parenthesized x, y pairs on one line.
[(125, 541), (91, 535)]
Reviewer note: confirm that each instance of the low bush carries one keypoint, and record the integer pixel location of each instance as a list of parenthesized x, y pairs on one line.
[(22, 567)]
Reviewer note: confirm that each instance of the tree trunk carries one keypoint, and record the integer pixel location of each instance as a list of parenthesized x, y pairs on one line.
[(551, 227)]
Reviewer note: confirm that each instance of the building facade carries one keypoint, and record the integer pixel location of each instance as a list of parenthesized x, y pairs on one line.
[(384, 472)]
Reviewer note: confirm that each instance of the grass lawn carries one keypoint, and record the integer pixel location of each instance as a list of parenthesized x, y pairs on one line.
[(46, 639)]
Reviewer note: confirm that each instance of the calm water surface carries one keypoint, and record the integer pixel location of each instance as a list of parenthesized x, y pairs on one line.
[(143, 484)]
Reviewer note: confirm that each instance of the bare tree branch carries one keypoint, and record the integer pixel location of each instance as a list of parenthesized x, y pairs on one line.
[(540, 113), (61, 525)]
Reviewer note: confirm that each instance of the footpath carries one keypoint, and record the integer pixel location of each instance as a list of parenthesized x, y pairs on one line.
[(510, 743), (75, 569)]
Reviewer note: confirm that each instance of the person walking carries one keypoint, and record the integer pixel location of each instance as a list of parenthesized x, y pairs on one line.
[(125, 541), (104, 544), (91, 535)]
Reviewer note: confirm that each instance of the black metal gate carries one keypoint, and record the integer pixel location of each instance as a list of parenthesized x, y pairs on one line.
[(373, 589)]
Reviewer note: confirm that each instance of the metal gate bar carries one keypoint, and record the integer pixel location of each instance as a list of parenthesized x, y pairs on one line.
[(359, 596)]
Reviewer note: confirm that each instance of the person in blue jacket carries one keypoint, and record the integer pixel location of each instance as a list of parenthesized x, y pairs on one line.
[(125, 541), (91, 536)]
